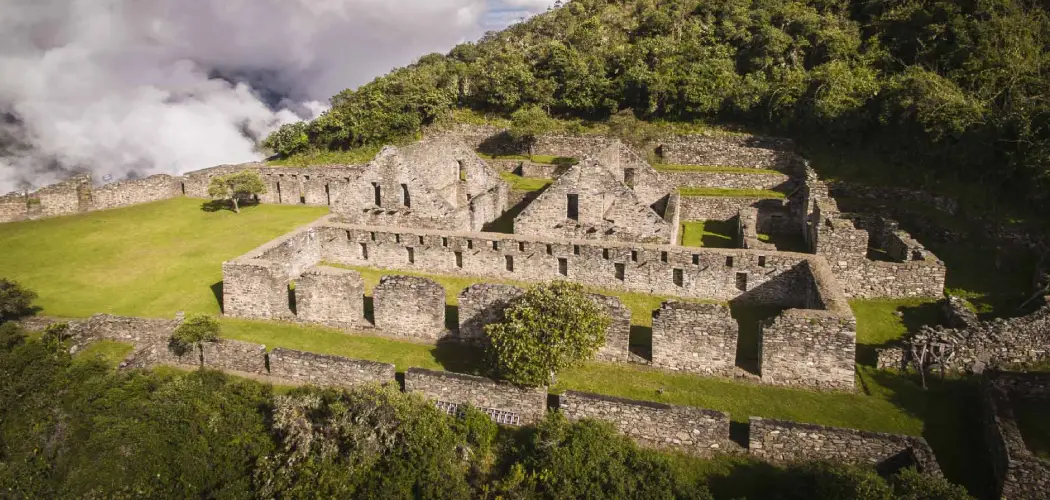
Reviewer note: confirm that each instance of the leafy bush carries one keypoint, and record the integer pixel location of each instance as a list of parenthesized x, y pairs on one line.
[(192, 333), (546, 330), (236, 186), (15, 300)]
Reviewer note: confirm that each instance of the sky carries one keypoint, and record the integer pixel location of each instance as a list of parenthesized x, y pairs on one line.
[(130, 88)]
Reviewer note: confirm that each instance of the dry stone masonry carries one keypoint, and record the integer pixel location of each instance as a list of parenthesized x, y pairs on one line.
[(330, 296), (410, 306), (505, 403), (483, 304), (692, 430), (327, 371), (698, 338), (1019, 473)]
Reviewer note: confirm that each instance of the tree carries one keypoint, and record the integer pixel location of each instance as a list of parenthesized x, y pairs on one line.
[(235, 186), (288, 140), (526, 124), (193, 333), (549, 328), (909, 484), (15, 300)]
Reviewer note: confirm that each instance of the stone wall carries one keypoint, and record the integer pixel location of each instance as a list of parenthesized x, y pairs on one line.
[(718, 274), (482, 304), (327, 371), (409, 306), (747, 231), (732, 150), (133, 192), (774, 216), (618, 335), (225, 354), (330, 296), (692, 430), (730, 180), (698, 338), (1019, 473), (780, 441), (506, 403), (14, 207)]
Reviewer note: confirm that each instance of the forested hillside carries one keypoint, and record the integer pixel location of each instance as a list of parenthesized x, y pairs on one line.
[(959, 89)]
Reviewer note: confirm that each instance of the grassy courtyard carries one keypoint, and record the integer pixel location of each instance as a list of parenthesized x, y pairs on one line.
[(707, 233), (146, 260), (527, 184)]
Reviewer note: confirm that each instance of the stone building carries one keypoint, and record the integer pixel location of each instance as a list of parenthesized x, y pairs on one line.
[(612, 196)]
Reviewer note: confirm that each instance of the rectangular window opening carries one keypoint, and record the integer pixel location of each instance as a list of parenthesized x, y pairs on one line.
[(696, 260), (459, 260), (397, 238), (377, 194), (495, 245), (411, 255), (364, 251), (634, 255), (572, 209), (550, 250), (327, 195), (605, 253), (677, 277), (576, 249), (628, 177), (521, 246), (761, 261), (620, 269), (509, 261), (372, 235), (444, 242), (741, 281), (729, 261), (406, 200), (420, 240), (563, 266), (663, 257), (470, 244)]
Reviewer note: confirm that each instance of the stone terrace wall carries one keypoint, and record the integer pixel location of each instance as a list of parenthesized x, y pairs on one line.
[(747, 231), (732, 180), (331, 296), (732, 150), (228, 355), (134, 192), (773, 215), (618, 335), (255, 285), (1019, 474), (14, 207), (482, 304), (507, 403), (410, 306), (780, 441), (327, 371), (699, 338), (719, 274), (692, 430)]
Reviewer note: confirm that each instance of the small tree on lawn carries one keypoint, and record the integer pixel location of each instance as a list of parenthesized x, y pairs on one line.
[(549, 328), (526, 124), (236, 186), (193, 333), (15, 300)]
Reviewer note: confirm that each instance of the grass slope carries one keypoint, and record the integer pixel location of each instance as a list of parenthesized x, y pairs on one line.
[(519, 183), (147, 260), (110, 352)]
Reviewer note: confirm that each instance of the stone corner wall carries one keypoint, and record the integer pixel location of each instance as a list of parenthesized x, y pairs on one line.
[(698, 338), (810, 348), (618, 335), (255, 288), (134, 191), (409, 306), (482, 304), (780, 441), (1018, 472), (330, 296), (505, 403), (693, 430), (327, 370)]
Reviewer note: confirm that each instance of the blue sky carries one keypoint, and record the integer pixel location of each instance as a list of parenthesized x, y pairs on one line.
[(501, 13)]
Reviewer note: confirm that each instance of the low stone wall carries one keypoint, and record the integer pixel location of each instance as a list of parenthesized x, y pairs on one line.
[(731, 150), (730, 180), (692, 430), (225, 354), (409, 306), (618, 335), (809, 347), (747, 231), (331, 296), (1019, 473), (133, 192), (780, 441), (482, 304), (698, 338), (773, 215), (506, 403), (328, 371)]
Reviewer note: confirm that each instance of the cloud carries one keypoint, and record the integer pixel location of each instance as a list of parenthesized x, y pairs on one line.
[(136, 87)]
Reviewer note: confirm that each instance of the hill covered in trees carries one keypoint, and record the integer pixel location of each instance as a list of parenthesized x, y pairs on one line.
[(937, 89)]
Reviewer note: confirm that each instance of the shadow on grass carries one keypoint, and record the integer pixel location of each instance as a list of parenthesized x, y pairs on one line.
[(719, 234), (216, 290), (951, 414), (913, 317), (459, 358)]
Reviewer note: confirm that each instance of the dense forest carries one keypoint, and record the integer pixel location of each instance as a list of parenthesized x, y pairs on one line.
[(73, 427), (937, 90)]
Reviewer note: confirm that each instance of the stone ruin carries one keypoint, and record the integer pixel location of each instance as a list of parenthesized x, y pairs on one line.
[(1019, 473)]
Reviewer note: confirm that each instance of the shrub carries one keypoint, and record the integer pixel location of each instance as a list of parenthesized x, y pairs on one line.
[(548, 329), (15, 300), (236, 186), (194, 332)]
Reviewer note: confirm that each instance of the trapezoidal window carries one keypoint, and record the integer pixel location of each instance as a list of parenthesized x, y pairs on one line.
[(572, 208), (741, 282), (406, 200), (459, 259), (364, 251), (411, 255), (563, 267), (509, 262), (462, 170), (620, 269), (377, 194), (676, 276), (628, 177)]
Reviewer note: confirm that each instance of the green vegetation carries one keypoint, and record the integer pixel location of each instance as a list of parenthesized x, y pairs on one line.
[(192, 333), (109, 352), (727, 192), (486, 156), (146, 260), (357, 156), (554, 160), (236, 186), (714, 169), (526, 184), (15, 300), (880, 322), (1033, 419), (938, 91), (551, 327), (711, 234)]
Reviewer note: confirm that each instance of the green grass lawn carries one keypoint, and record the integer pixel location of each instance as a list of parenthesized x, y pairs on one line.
[(146, 260), (665, 167), (730, 193), (110, 352), (1033, 419), (519, 183), (358, 156), (878, 322), (711, 233)]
